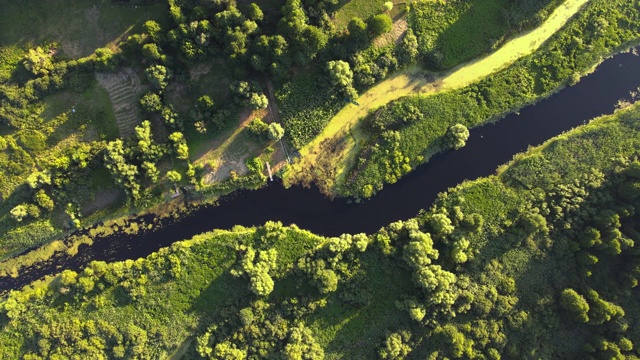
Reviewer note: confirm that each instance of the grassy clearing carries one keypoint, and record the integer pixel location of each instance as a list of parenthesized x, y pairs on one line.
[(353, 333), (343, 127), (80, 26), (458, 30)]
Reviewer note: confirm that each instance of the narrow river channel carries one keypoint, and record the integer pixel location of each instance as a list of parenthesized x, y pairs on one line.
[(488, 147)]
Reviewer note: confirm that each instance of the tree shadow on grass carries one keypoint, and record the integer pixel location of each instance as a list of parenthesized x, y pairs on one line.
[(474, 33)]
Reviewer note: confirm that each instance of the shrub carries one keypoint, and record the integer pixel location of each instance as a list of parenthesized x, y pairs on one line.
[(457, 136), (380, 24)]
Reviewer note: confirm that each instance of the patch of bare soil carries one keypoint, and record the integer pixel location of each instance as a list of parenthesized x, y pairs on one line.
[(124, 89)]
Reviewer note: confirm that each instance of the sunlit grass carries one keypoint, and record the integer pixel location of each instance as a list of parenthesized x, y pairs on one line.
[(413, 81)]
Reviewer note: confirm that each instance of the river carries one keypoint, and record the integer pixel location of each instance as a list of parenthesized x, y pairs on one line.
[(488, 147)]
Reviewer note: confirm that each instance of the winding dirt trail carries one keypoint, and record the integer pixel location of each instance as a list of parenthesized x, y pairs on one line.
[(413, 81)]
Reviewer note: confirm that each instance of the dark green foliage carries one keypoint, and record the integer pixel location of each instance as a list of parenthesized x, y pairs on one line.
[(248, 94), (153, 53), (123, 172), (575, 304), (255, 13), (358, 31), (32, 140), (407, 52)]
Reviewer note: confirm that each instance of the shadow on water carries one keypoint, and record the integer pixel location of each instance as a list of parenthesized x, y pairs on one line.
[(488, 147)]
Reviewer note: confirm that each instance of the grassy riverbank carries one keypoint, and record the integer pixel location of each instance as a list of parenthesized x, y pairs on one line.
[(76, 150), (341, 162), (493, 269)]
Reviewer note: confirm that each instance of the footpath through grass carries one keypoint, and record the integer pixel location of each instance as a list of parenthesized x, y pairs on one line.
[(343, 128)]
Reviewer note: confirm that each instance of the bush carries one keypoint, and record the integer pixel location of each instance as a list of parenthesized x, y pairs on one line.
[(275, 131), (457, 136), (32, 140), (258, 130), (575, 304), (151, 102), (380, 24)]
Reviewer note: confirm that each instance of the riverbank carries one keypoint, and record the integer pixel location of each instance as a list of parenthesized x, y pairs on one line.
[(559, 62), (488, 148), (345, 128), (487, 264)]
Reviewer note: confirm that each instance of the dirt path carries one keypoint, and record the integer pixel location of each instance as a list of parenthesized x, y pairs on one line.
[(342, 128)]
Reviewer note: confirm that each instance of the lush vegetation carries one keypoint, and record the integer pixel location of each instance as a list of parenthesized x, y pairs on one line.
[(405, 133), (538, 261), (451, 32), (111, 115)]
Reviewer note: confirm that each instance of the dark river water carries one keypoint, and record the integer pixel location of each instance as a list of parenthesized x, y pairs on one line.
[(488, 147)]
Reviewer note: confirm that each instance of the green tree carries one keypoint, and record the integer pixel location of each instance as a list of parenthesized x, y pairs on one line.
[(158, 75), (419, 252), (275, 131), (38, 61), (151, 102), (179, 145), (258, 101), (19, 212), (68, 277), (357, 31), (38, 178), (150, 171), (534, 223), (457, 136), (380, 24), (153, 29), (152, 52), (407, 52), (123, 172), (575, 304), (228, 351), (254, 12), (258, 130), (256, 265), (301, 345), (341, 76), (327, 281), (43, 200), (146, 147), (174, 176), (441, 224), (395, 346)]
